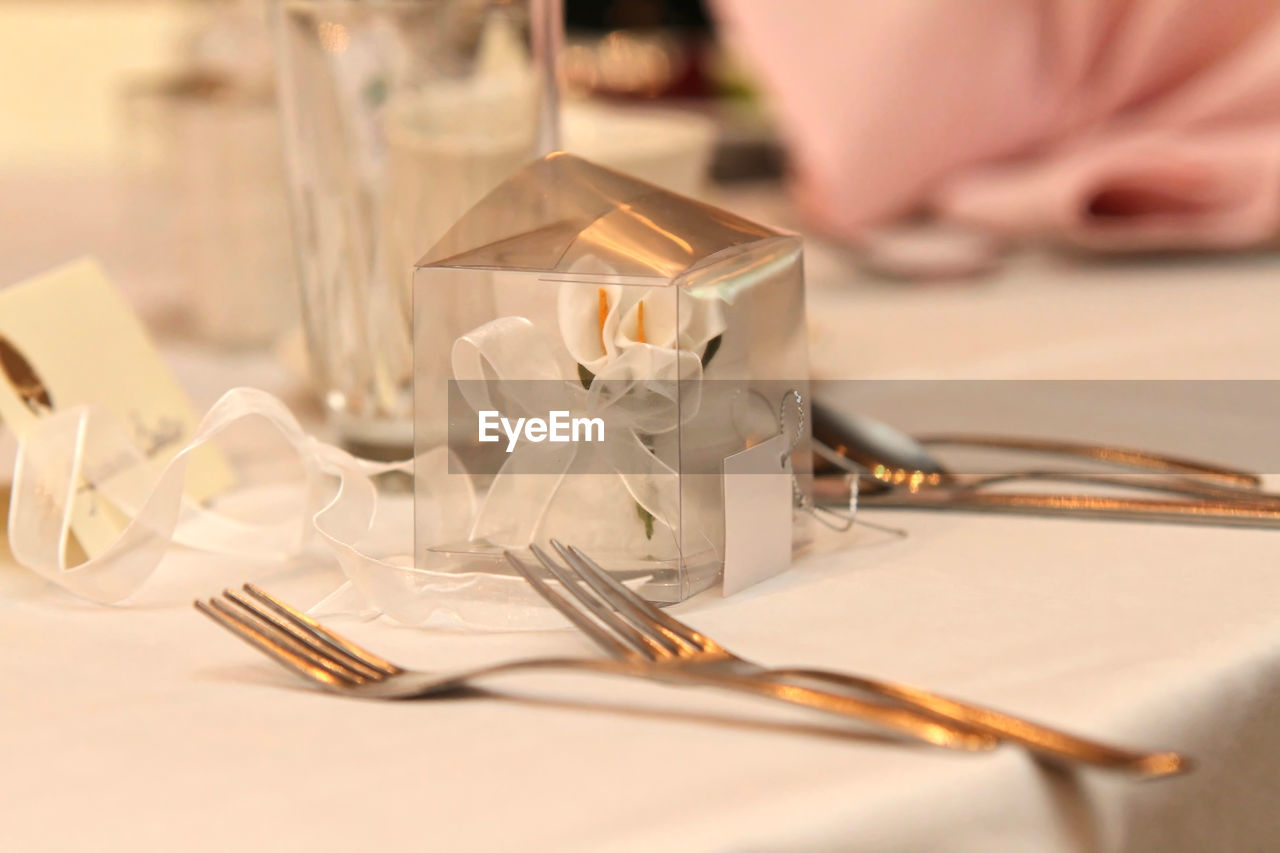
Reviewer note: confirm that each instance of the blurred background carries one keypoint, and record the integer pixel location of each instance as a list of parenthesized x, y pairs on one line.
[(912, 142), (146, 132)]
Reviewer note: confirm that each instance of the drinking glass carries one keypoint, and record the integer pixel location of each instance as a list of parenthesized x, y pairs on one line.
[(398, 116), (208, 185)]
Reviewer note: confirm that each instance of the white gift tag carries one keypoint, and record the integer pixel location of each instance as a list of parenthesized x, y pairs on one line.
[(758, 500), (70, 339)]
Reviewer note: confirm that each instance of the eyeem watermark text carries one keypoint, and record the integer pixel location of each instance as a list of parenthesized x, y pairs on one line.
[(557, 427)]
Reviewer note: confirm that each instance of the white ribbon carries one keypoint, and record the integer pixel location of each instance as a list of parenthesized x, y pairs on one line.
[(86, 449), (508, 359)]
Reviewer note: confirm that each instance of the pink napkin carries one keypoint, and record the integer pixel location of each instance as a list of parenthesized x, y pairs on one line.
[(1112, 124)]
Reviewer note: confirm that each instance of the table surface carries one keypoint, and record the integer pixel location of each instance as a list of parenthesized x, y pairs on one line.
[(148, 728)]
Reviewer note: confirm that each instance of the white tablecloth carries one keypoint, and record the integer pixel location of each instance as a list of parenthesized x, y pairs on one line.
[(150, 728)]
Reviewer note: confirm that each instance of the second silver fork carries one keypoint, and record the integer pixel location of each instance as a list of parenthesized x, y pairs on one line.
[(627, 627), (334, 663)]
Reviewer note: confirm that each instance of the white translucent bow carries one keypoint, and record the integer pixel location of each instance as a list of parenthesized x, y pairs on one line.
[(641, 391)]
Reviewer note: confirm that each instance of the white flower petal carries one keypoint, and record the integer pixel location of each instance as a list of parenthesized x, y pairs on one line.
[(578, 311), (701, 319), (659, 321)]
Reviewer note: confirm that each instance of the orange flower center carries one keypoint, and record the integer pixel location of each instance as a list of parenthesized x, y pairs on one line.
[(604, 313)]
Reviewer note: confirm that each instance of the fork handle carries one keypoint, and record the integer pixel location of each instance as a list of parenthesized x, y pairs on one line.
[(905, 721), (1176, 485), (1121, 457), (1038, 738), (1233, 513)]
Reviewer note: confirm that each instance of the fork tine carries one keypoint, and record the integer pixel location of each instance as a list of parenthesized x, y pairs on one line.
[(334, 641), (611, 644), (305, 637), (641, 611), (229, 605), (650, 646), (260, 641)]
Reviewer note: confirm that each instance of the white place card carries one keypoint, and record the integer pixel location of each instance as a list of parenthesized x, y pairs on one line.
[(68, 338)]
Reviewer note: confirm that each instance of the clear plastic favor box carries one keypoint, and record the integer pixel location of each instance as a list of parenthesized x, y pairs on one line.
[(648, 334)]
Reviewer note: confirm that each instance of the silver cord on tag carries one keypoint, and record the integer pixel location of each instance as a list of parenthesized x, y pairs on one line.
[(838, 520)]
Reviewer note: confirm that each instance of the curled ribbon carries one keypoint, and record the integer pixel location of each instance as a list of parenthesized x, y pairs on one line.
[(85, 449)]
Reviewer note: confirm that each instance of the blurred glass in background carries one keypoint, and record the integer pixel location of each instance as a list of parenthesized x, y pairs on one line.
[(398, 117), (206, 180), (146, 132)]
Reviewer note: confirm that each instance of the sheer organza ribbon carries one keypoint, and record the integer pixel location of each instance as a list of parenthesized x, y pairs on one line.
[(85, 454)]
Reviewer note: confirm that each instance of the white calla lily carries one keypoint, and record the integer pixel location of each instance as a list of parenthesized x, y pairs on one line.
[(601, 323)]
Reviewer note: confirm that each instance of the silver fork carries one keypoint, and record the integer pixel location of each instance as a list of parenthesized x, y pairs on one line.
[(338, 665), (625, 626)]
